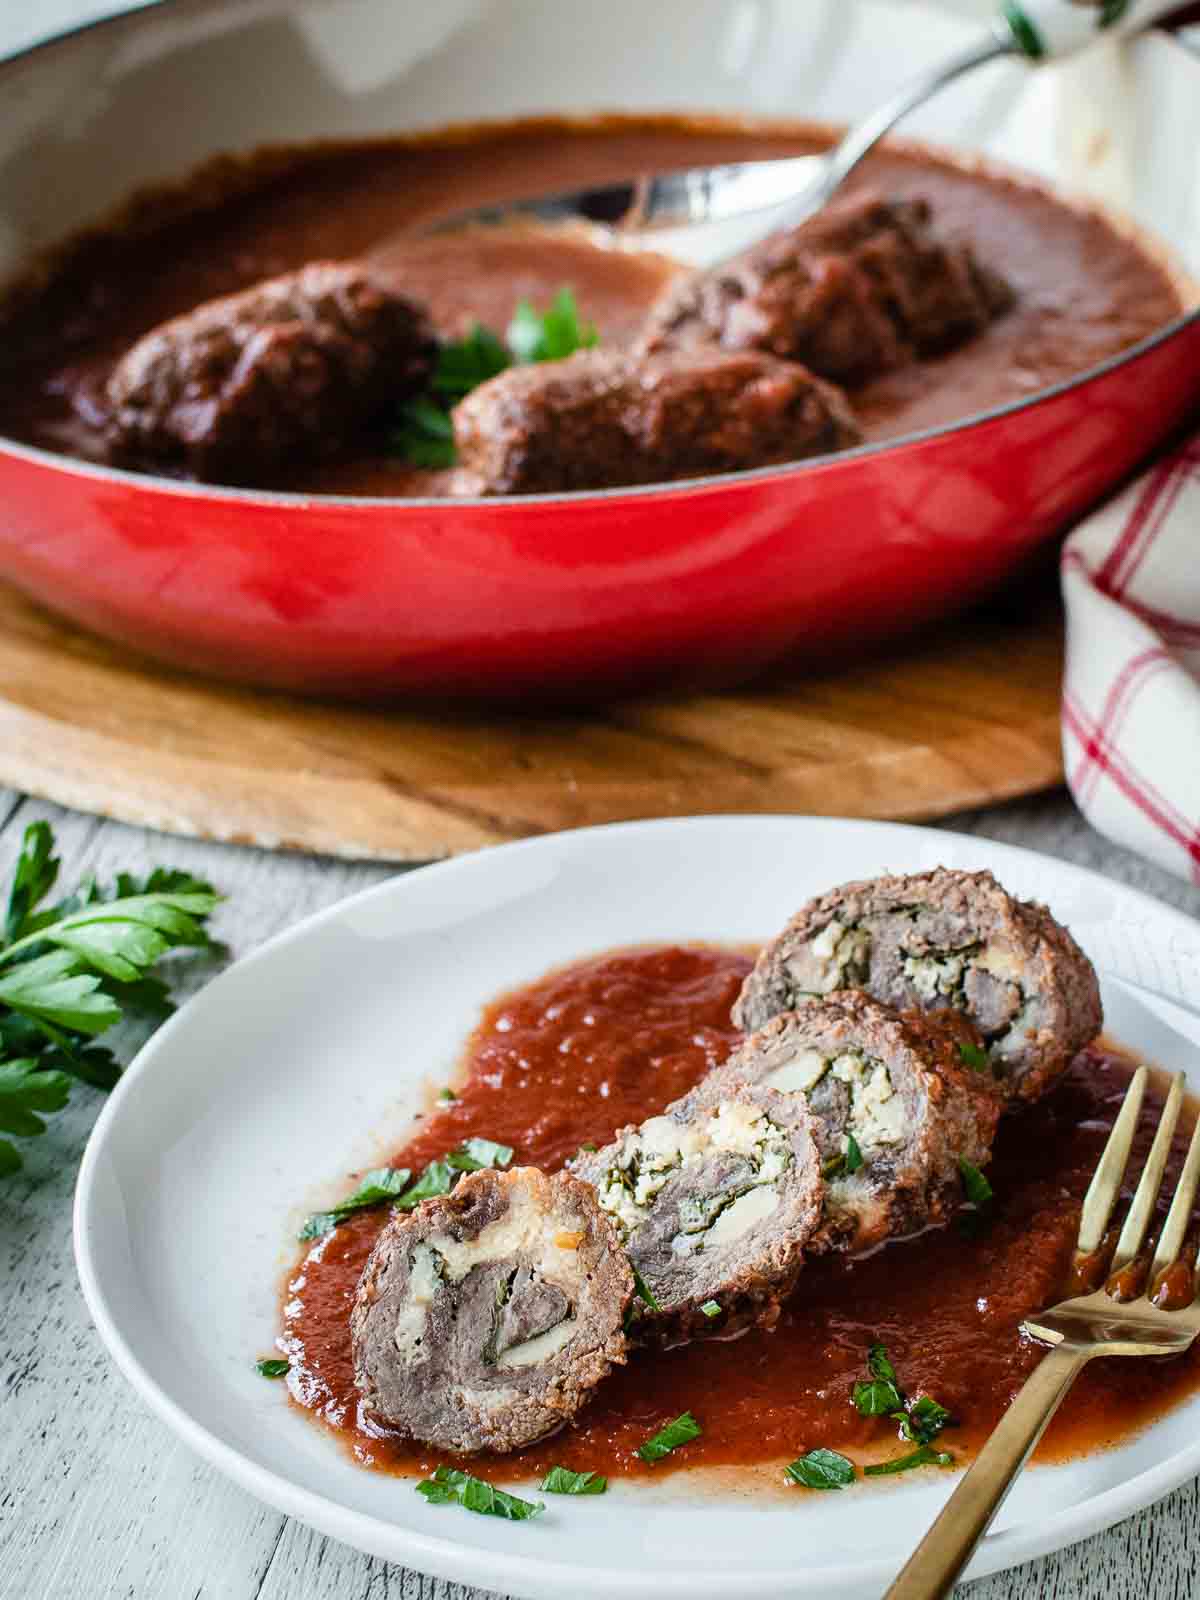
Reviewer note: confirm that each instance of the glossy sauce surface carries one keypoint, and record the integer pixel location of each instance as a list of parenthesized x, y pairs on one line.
[(1084, 291), (611, 1040)]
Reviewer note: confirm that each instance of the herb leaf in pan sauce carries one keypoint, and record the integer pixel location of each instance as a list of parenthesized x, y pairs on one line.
[(273, 1368), (449, 1486), (424, 433), (974, 1057)]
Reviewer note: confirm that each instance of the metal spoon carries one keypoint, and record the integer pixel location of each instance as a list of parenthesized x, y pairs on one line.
[(705, 214)]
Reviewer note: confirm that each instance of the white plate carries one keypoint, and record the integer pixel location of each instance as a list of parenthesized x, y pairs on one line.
[(306, 1059)]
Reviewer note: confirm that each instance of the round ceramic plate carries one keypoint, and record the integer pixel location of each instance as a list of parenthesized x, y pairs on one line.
[(306, 1060)]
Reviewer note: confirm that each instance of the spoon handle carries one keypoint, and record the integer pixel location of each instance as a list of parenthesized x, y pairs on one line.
[(1046, 30)]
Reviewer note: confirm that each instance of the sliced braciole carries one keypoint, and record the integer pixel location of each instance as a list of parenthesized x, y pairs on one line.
[(935, 940), (484, 1320), (896, 1108), (715, 1201)]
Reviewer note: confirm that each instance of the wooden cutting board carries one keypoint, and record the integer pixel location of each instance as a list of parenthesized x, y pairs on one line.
[(964, 715)]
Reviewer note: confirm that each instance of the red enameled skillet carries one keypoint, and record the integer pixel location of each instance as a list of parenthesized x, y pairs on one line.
[(585, 593)]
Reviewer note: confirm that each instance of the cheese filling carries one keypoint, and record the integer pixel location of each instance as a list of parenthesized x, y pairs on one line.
[(662, 1147), (877, 1115)]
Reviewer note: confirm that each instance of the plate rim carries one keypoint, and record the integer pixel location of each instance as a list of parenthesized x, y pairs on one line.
[(477, 1565)]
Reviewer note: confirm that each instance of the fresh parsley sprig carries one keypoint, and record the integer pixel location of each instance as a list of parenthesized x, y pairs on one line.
[(70, 970), (450, 1486), (424, 432)]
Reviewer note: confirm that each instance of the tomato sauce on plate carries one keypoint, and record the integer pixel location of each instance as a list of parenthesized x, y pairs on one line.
[(610, 1040)]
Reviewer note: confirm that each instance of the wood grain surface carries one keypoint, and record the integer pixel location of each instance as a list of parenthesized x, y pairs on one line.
[(99, 1502), (965, 714)]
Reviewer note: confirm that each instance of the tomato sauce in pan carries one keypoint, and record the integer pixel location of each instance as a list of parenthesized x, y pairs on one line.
[(1084, 290), (610, 1040)]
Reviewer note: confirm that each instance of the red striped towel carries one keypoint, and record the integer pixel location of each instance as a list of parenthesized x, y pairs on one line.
[(1131, 692)]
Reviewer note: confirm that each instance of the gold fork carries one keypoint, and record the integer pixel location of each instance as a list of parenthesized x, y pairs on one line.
[(1102, 1323)]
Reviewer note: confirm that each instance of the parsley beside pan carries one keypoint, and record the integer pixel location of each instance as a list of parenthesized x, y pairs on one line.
[(71, 969), (424, 433)]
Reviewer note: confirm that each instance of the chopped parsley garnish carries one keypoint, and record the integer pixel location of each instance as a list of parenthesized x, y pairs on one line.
[(561, 1480), (846, 1162), (920, 1420), (924, 1456), (711, 1308), (447, 1095), (388, 1183), (463, 364), (383, 1183), (424, 434), (821, 1469), (978, 1189), (70, 970), (449, 1486), (551, 335), (271, 1369), (974, 1057), (923, 1420), (439, 1177), (474, 1154), (644, 1291), (675, 1433)]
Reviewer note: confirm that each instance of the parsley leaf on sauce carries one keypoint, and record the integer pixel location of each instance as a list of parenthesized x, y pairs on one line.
[(449, 1486), (439, 1177), (711, 1308), (683, 1429), (561, 1480), (644, 1291), (923, 1420), (551, 335), (922, 1457), (978, 1189), (383, 1183), (463, 364), (975, 1058), (271, 1369), (821, 1469), (475, 1154)]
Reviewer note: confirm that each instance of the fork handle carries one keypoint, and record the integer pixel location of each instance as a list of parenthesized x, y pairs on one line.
[(945, 1550)]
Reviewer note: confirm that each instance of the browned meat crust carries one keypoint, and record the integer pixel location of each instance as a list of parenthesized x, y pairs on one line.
[(941, 939), (716, 1200), (602, 420), (898, 1087), (299, 362), (859, 288), (484, 1320)]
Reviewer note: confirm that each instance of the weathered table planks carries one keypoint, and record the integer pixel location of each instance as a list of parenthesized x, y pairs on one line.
[(965, 714), (98, 1501)]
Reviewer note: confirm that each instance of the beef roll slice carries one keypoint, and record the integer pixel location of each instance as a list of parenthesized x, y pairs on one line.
[(896, 1110), (715, 1201), (298, 363), (861, 287), (600, 419), (485, 1319), (941, 939)]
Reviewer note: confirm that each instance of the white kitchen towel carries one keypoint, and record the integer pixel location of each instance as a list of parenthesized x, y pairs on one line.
[(1131, 689)]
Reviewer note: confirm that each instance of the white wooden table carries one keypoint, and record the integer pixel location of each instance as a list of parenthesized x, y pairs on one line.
[(98, 1501)]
